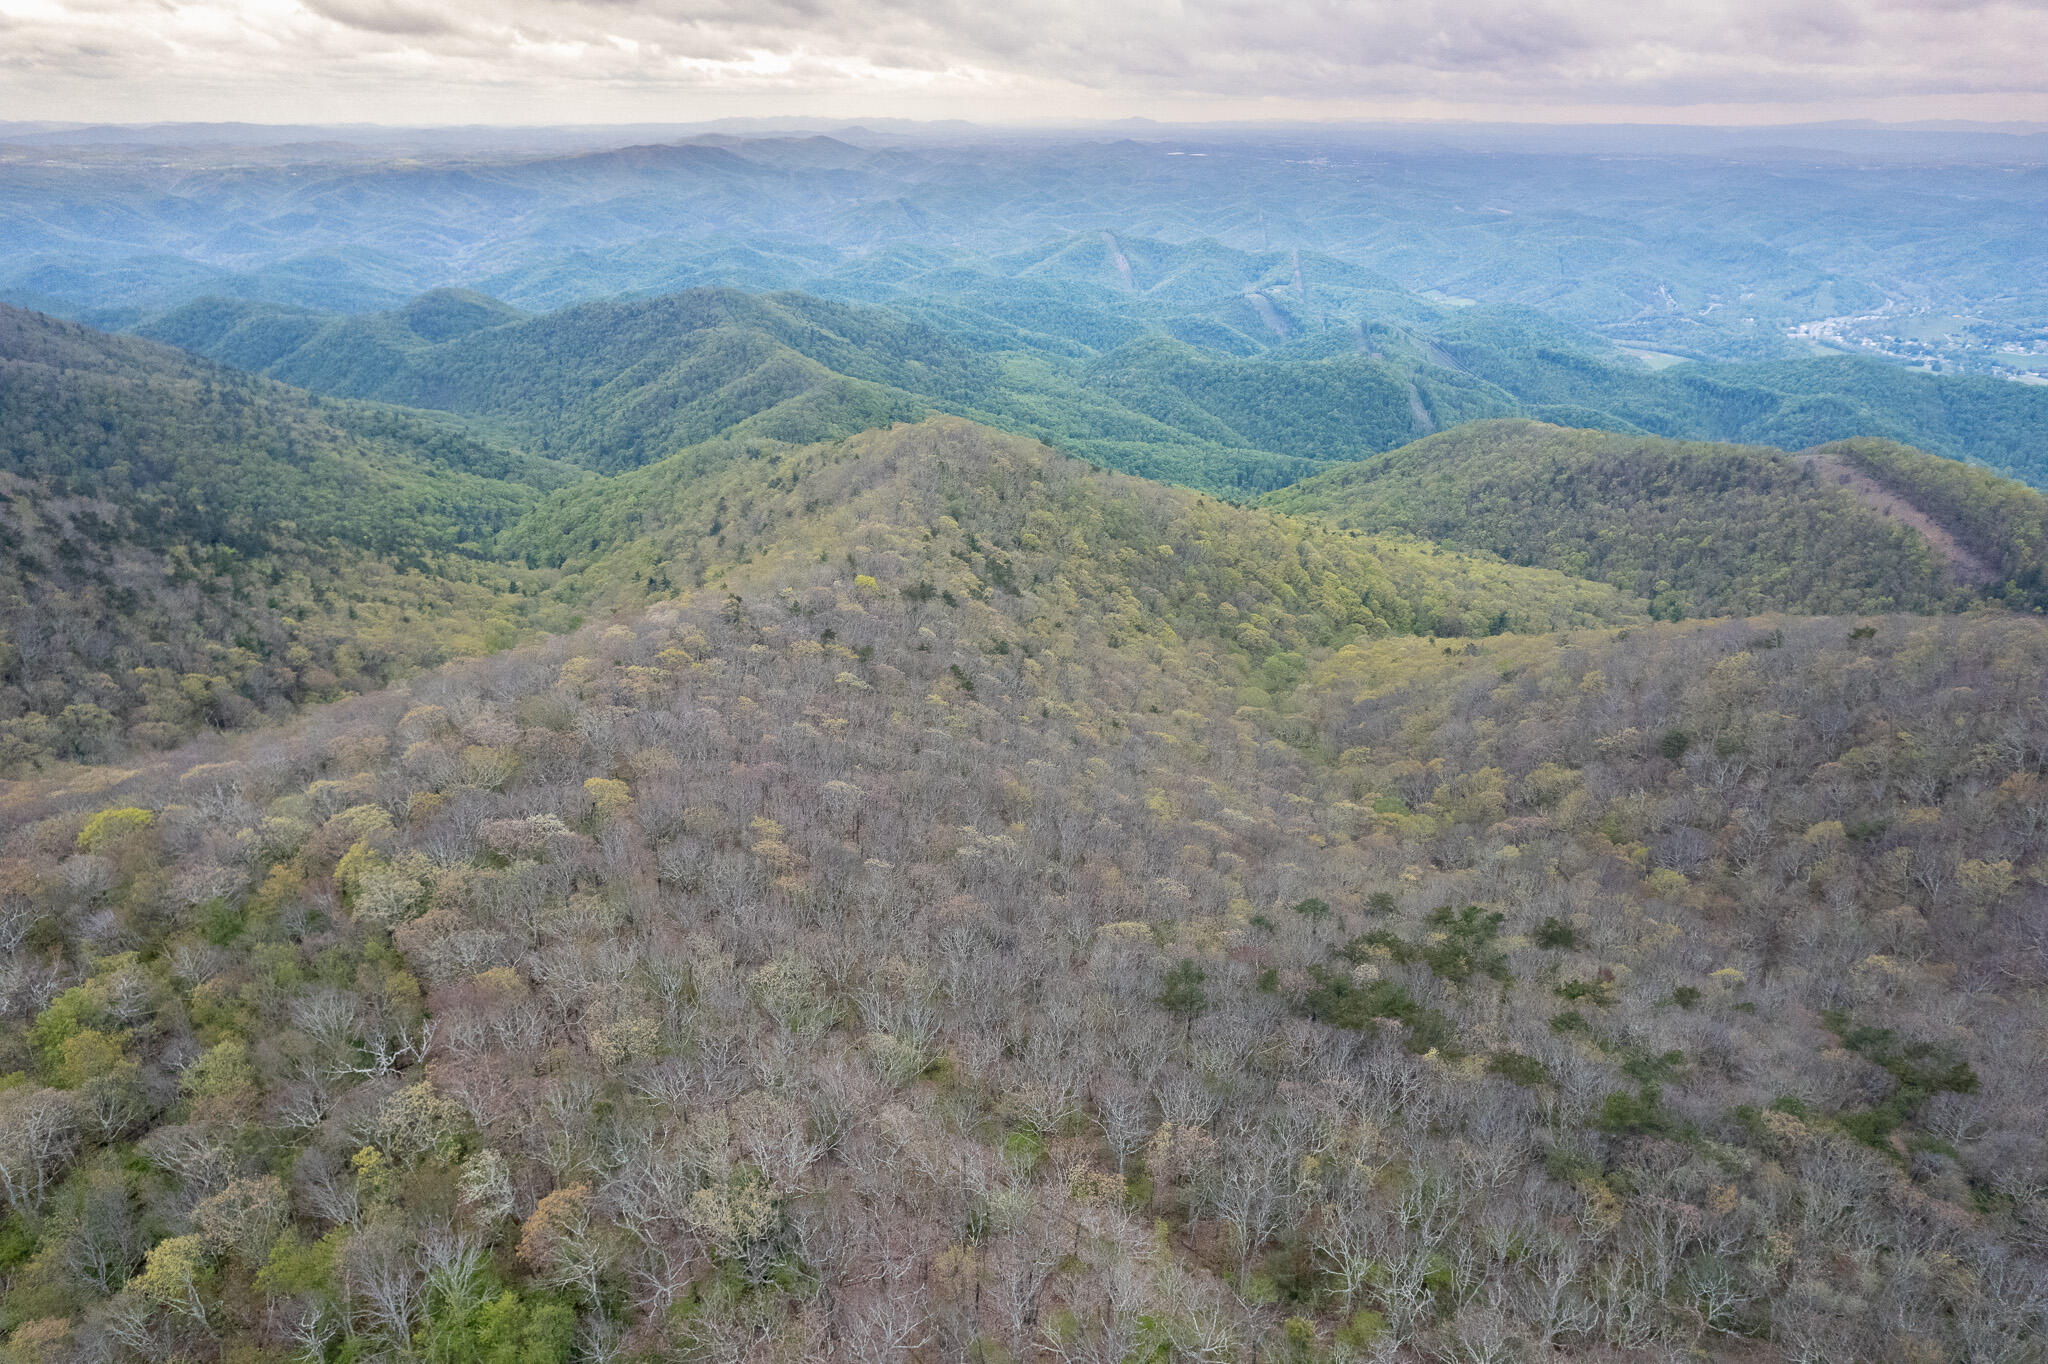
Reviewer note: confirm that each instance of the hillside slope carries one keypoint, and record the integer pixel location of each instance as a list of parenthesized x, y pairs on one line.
[(989, 513), (616, 385), (1227, 370), (613, 385), (956, 923), (2000, 526), (1792, 404), (189, 546), (1697, 529), (1160, 379), (193, 547), (1337, 407)]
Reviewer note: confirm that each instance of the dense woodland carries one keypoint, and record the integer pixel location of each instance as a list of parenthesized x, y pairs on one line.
[(1233, 371), (185, 547), (612, 385), (1201, 565), (622, 834), (616, 385), (1011, 911), (2000, 522), (192, 548), (1792, 404), (1698, 529)]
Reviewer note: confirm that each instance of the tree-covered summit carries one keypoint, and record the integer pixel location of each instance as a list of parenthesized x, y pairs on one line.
[(1698, 528)]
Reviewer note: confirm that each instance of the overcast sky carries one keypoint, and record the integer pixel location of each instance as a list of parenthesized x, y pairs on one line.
[(593, 61)]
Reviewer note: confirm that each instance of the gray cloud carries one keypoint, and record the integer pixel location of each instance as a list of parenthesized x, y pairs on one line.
[(393, 17), (577, 59)]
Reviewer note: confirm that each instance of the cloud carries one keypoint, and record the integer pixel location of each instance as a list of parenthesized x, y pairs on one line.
[(583, 60), (383, 16)]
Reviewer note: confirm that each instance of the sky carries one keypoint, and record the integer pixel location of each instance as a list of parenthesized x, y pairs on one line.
[(1021, 61)]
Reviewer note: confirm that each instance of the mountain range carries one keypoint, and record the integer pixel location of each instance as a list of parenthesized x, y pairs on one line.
[(1212, 375), (998, 787), (1700, 250)]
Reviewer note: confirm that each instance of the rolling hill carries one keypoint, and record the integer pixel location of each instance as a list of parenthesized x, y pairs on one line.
[(733, 827), (1792, 404), (190, 546), (1046, 529), (609, 385), (1225, 370), (615, 385), (197, 547), (1007, 888), (1703, 529)]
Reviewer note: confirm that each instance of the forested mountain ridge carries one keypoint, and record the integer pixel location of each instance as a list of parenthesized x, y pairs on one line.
[(1038, 526), (1227, 370), (105, 413), (1792, 404), (615, 385), (1696, 529), (1094, 291), (1518, 893), (192, 547), (1337, 407), (297, 344), (2002, 525), (188, 546), (336, 497), (250, 525), (946, 934)]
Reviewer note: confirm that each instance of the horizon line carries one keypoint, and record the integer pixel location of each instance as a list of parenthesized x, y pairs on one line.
[(1998, 127)]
